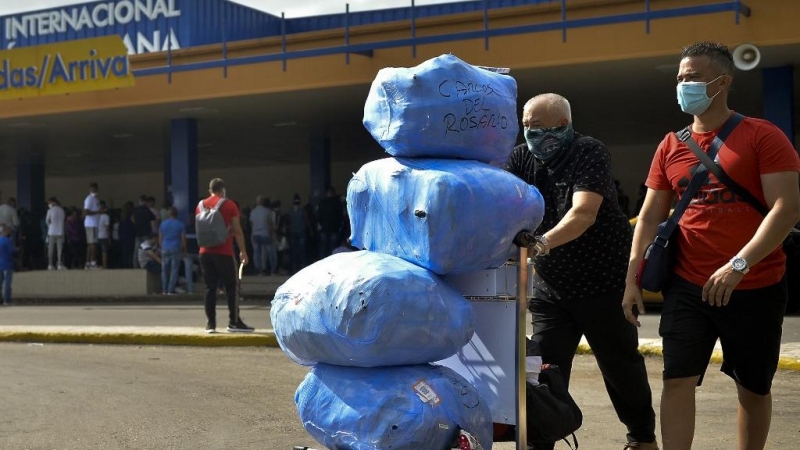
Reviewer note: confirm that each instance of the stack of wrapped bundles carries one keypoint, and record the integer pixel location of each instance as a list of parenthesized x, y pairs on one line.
[(372, 321)]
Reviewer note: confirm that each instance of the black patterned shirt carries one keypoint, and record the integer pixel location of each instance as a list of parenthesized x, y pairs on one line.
[(596, 262)]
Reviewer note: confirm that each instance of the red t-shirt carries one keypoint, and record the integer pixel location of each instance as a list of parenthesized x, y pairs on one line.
[(229, 210), (717, 223)]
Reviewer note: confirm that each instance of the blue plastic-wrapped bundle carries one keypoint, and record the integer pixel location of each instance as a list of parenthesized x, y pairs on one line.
[(369, 309), (447, 216), (399, 408), (444, 108)]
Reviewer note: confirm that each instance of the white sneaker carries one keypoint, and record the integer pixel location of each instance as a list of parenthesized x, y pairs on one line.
[(61, 267), (51, 268), (180, 290)]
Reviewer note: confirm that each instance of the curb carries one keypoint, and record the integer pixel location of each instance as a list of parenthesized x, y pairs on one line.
[(257, 339), (152, 299), (784, 362), (267, 338)]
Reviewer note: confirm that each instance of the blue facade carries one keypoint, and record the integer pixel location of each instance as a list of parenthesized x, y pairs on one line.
[(315, 23), (158, 25), (145, 25)]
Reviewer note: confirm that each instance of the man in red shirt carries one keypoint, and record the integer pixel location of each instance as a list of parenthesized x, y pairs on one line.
[(219, 264), (728, 278)]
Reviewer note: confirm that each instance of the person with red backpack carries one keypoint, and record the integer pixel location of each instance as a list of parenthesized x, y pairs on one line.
[(217, 224)]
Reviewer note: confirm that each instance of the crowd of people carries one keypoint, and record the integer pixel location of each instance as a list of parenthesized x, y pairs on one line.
[(96, 237), (284, 242)]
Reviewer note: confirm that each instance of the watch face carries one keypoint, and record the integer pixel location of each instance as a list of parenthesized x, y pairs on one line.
[(739, 264)]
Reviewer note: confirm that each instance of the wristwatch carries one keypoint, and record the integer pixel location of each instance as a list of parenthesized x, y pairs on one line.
[(542, 245), (740, 265)]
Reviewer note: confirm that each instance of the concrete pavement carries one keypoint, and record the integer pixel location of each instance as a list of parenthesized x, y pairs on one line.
[(180, 320)]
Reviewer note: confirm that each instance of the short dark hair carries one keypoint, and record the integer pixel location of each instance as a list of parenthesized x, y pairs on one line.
[(93, 185), (173, 211), (216, 185), (142, 198), (53, 200), (719, 55)]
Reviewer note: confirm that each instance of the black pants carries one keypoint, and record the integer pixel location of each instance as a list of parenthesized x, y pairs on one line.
[(558, 325), (219, 269)]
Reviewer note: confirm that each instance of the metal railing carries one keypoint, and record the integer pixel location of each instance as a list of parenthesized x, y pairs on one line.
[(366, 49)]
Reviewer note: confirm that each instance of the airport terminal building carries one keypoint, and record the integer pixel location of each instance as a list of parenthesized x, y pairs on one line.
[(159, 96)]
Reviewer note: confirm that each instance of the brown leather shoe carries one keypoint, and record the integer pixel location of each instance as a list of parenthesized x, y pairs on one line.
[(641, 446)]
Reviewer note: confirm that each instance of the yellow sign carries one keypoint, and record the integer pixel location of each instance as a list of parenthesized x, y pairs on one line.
[(78, 66)]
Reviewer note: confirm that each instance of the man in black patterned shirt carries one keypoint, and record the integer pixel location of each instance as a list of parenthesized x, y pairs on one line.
[(580, 259)]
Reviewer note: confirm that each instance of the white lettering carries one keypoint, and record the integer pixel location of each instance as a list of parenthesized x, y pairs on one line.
[(171, 43), (127, 41), (85, 19), (30, 25), (126, 6), (110, 10), (160, 8), (145, 46), (98, 15), (43, 26), (18, 27), (100, 22), (143, 8), (172, 10), (70, 19), (56, 24)]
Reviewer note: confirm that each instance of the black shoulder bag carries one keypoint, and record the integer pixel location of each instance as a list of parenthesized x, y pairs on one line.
[(655, 268)]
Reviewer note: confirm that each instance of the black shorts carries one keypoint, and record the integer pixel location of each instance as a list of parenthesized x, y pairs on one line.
[(749, 329)]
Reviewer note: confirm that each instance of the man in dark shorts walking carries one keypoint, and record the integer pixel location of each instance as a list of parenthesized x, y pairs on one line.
[(728, 278)]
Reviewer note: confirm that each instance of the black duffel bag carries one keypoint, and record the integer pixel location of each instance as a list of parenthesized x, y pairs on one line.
[(552, 413)]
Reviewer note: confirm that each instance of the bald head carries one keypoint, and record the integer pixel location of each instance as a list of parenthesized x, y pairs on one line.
[(546, 111)]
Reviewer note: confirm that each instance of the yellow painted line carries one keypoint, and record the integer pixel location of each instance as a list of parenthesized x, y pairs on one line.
[(784, 363), (248, 340), (201, 340)]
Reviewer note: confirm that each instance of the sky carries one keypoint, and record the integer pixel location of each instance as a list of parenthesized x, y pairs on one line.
[(292, 8)]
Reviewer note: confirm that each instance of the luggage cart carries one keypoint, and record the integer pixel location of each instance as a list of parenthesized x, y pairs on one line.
[(489, 361)]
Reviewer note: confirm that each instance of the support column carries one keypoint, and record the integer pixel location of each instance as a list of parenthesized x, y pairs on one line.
[(30, 185), (779, 98), (167, 194), (320, 162), (183, 167)]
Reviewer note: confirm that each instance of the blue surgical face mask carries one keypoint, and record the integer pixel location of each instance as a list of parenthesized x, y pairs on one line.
[(547, 143), (693, 98)]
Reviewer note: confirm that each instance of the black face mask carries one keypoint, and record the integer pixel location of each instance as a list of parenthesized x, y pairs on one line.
[(547, 143)]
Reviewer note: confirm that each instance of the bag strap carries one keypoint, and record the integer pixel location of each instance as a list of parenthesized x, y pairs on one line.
[(203, 207), (722, 176), (219, 203), (574, 441), (700, 174)]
